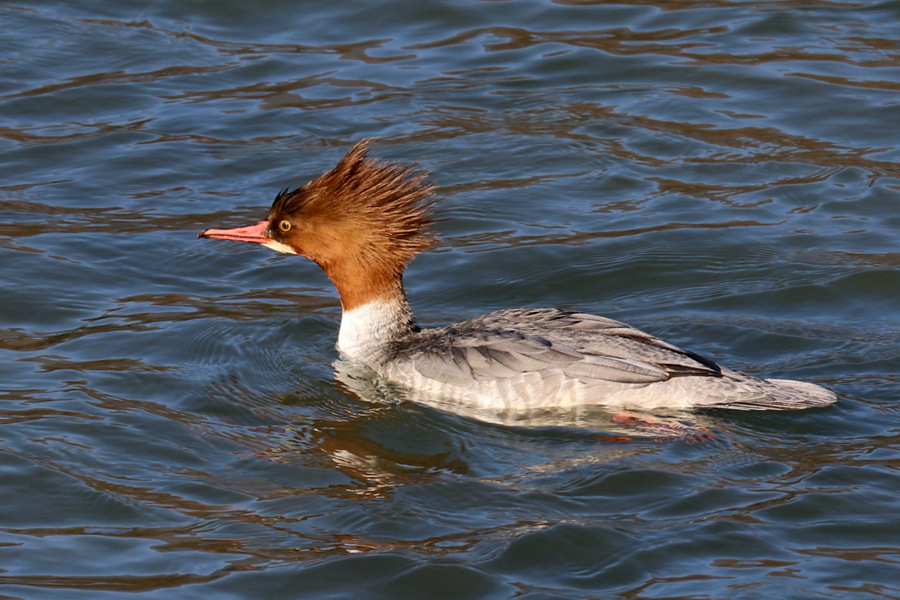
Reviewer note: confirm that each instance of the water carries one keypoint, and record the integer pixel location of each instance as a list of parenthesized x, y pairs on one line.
[(722, 174)]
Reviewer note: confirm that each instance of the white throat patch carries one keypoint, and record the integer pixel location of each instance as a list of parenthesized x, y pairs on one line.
[(279, 247)]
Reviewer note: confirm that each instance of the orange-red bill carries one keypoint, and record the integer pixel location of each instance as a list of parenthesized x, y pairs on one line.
[(250, 233)]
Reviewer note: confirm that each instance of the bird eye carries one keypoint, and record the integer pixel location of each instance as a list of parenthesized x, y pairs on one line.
[(284, 226)]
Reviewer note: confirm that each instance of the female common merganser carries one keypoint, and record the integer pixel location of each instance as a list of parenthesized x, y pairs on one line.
[(366, 219)]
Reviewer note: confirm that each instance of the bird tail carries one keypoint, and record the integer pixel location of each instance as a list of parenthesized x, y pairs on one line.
[(786, 394)]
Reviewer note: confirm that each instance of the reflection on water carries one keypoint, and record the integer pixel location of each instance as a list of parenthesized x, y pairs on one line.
[(723, 175)]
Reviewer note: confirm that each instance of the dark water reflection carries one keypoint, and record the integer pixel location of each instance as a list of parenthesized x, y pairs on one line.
[(722, 174)]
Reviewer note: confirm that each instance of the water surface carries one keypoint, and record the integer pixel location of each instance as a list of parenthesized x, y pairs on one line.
[(721, 174)]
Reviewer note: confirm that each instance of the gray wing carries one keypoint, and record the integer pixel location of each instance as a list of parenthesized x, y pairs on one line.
[(549, 342), (594, 334)]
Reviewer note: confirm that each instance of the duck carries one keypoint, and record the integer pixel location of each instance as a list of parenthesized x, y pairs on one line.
[(364, 221)]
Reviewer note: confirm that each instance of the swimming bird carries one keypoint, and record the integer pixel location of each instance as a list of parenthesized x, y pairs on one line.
[(366, 219)]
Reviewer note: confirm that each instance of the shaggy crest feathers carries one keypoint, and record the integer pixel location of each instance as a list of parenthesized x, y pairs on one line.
[(387, 200)]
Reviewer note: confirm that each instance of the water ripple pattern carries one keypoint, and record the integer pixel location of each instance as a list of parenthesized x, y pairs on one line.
[(724, 174)]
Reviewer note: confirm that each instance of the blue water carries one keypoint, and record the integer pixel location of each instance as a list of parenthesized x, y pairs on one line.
[(721, 174)]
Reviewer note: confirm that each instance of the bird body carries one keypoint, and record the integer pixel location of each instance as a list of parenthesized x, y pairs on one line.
[(366, 219)]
